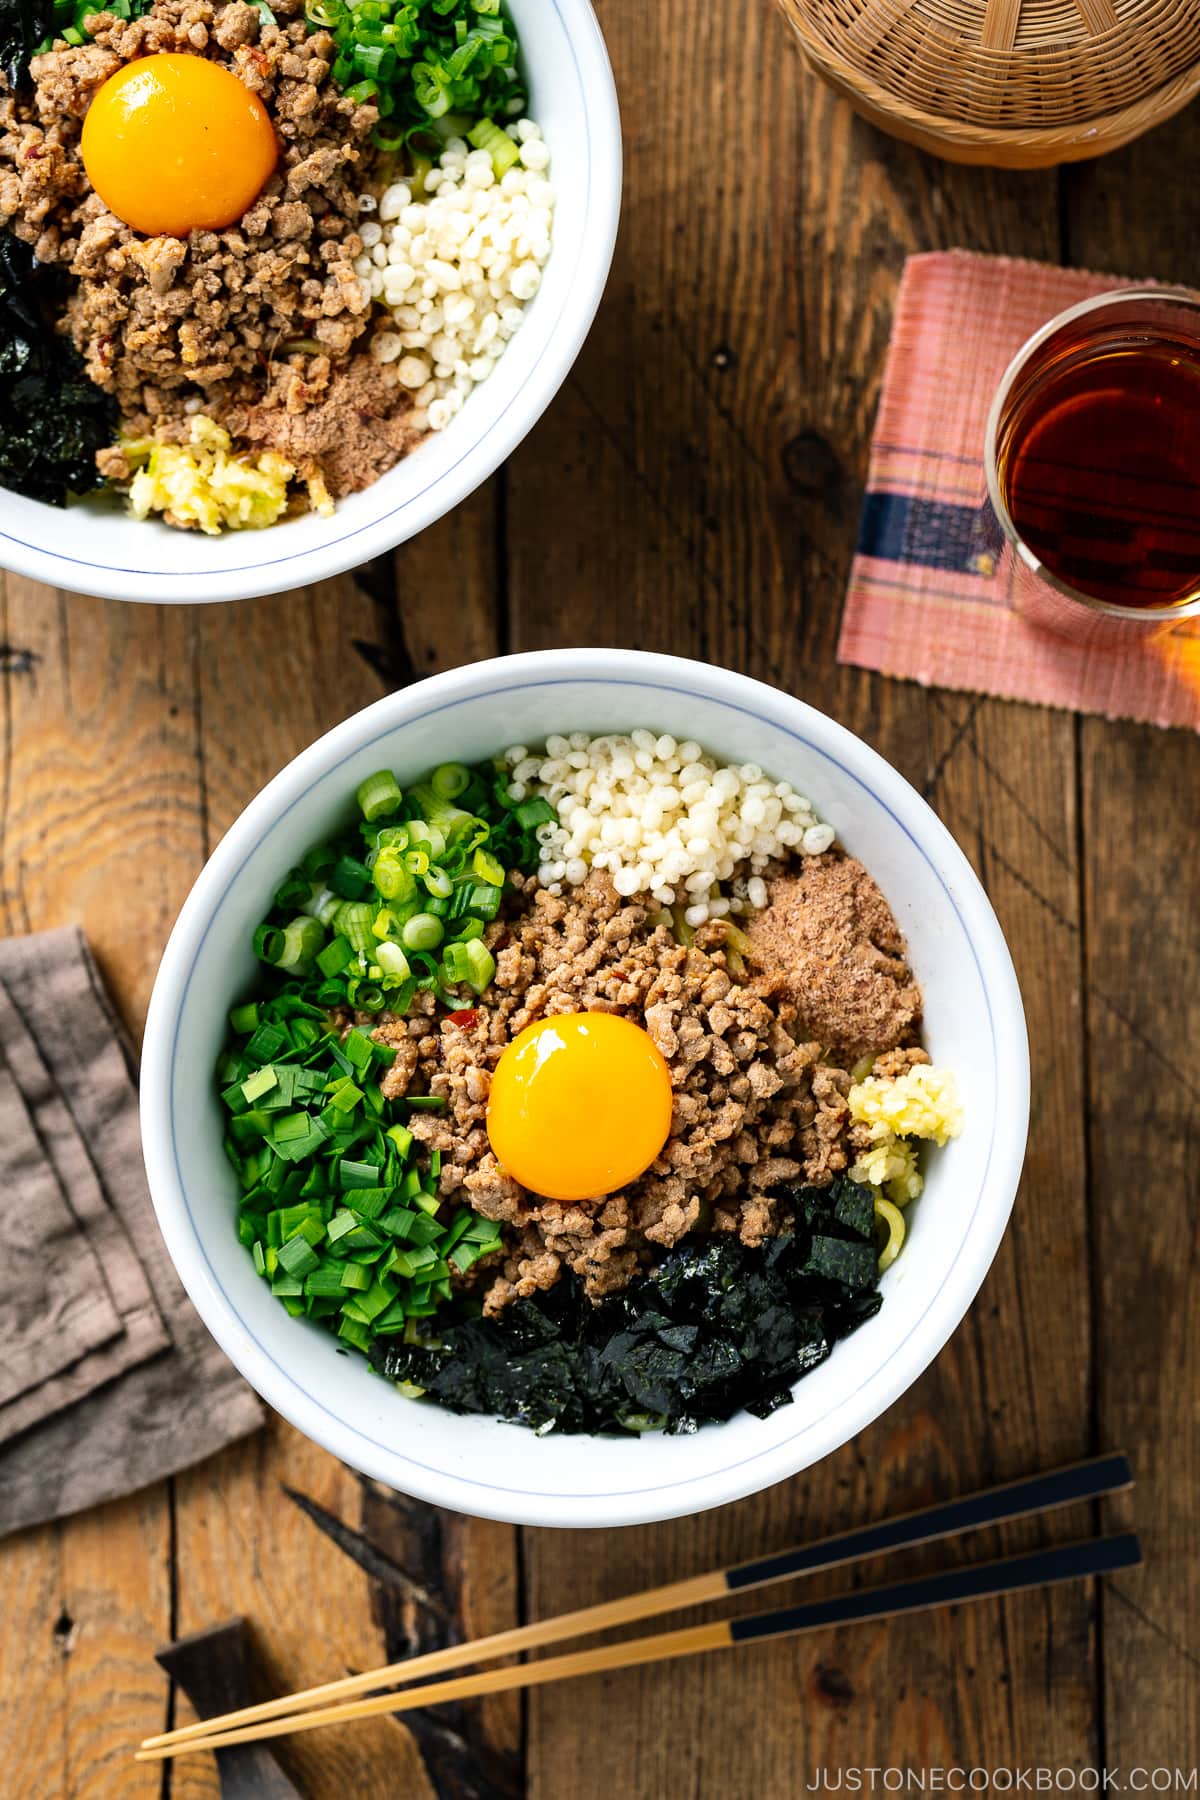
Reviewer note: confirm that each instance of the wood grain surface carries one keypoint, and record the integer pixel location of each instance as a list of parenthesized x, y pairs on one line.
[(694, 488)]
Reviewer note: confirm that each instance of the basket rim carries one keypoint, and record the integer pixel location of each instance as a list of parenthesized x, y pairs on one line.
[(1103, 129)]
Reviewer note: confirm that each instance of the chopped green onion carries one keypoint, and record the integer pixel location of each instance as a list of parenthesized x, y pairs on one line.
[(359, 1049), (402, 1138), (454, 963), (350, 878), (258, 1084), (481, 965), (484, 899), (334, 1208), (488, 868), (532, 813), (423, 832), (356, 922), (346, 1097), (392, 877), (450, 780), (380, 793), (298, 1257), (378, 61), (392, 960), (336, 956), (292, 949), (485, 134), (353, 1174), (320, 861), (295, 892), (422, 932), (354, 1333)]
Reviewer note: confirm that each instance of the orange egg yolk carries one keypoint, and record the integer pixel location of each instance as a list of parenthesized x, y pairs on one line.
[(579, 1105), (174, 144)]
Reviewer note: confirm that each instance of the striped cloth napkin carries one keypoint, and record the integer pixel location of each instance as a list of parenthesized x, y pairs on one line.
[(108, 1379), (930, 586)]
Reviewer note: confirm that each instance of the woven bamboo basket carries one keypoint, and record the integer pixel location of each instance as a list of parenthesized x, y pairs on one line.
[(1019, 84)]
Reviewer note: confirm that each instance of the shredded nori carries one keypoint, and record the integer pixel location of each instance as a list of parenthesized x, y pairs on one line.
[(714, 1329), (24, 24), (52, 418)]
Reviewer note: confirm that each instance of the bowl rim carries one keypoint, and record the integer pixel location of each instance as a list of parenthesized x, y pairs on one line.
[(746, 1474), (480, 456)]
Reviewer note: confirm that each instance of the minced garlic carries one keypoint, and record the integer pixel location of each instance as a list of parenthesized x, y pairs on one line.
[(890, 1165), (921, 1103), (204, 483)]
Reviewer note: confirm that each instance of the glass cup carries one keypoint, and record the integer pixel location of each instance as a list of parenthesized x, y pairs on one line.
[(1131, 358)]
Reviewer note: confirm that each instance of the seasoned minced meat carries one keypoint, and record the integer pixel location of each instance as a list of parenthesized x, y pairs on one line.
[(753, 1107), (829, 933), (172, 326)]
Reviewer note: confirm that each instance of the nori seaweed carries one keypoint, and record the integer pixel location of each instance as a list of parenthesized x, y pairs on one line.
[(715, 1329), (23, 26), (52, 418)]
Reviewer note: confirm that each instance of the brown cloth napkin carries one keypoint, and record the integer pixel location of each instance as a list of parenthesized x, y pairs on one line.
[(53, 1300), (112, 1381), (95, 1240)]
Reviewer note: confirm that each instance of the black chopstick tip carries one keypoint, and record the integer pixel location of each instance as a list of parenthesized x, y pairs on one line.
[(949, 1587), (1127, 1550), (1107, 1473)]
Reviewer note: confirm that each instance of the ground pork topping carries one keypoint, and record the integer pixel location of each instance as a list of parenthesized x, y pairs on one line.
[(754, 1107), (171, 327), (830, 934)]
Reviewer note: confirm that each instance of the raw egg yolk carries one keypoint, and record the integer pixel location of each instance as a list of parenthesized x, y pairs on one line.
[(174, 144), (580, 1104)]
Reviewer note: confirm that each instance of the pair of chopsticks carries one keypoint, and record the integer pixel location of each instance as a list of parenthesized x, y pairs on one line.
[(309, 1709)]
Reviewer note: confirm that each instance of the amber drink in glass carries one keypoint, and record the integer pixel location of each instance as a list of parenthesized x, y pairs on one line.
[(1093, 464)]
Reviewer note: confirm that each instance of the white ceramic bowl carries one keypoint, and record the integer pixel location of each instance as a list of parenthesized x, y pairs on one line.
[(95, 547), (974, 1023)]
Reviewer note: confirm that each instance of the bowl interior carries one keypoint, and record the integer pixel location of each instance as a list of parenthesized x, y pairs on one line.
[(96, 547), (973, 1021)]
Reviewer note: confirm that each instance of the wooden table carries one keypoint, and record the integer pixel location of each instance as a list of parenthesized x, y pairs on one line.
[(694, 489)]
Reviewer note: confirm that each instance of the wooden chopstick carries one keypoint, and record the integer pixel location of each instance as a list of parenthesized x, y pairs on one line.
[(1011, 1500), (1010, 1575)]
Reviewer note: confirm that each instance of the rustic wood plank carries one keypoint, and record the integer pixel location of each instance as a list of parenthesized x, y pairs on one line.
[(254, 1537), (100, 815), (85, 1604), (450, 604), (99, 822), (1140, 807), (708, 452)]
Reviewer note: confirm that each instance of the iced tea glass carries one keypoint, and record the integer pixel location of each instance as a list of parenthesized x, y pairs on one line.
[(1092, 457)]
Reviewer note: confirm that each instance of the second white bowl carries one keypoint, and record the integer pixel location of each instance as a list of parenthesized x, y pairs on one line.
[(96, 547), (974, 1023)]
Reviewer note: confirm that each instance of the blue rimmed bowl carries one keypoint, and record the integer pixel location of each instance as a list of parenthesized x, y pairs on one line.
[(95, 546), (974, 1023)]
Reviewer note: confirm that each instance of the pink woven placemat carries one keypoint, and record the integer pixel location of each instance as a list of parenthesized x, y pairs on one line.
[(929, 594)]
